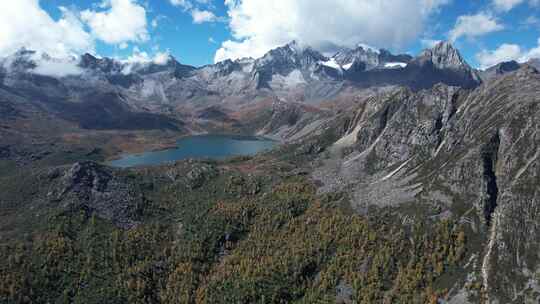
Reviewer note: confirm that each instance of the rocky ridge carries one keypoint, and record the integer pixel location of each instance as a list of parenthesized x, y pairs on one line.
[(288, 71), (451, 152)]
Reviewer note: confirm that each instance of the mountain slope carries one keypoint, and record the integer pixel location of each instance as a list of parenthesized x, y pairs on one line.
[(499, 70), (444, 153), (394, 195)]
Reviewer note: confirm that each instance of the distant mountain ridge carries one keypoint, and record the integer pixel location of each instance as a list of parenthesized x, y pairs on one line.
[(278, 72), (293, 72)]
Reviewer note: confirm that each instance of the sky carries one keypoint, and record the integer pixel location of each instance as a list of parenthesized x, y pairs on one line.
[(200, 32)]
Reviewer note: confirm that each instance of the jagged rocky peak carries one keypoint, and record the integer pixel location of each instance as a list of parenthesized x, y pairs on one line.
[(366, 58), (165, 64), (362, 54), (105, 65), (228, 66), (225, 67), (109, 66), (292, 53), (444, 56)]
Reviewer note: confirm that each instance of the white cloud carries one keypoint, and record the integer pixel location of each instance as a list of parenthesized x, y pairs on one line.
[(506, 5), (532, 53), (203, 16), (507, 52), (189, 4), (139, 57), (474, 25), (260, 25), (122, 21), (24, 24), (531, 21), (183, 3), (44, 64), (199, 15), (57, 67)]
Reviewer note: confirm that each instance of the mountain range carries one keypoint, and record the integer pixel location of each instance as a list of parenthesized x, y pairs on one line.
[(282, 71), (161, 93), (400, 179)]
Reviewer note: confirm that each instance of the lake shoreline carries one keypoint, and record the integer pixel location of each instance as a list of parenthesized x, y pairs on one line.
[(203, 146)]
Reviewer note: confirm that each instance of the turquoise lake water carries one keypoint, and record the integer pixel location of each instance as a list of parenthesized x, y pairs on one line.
[(205, 146)]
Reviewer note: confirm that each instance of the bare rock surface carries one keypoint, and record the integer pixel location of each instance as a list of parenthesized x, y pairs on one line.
[(473, 154)]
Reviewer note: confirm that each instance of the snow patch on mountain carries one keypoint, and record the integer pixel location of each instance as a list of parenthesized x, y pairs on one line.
[(331, 64), (348, 66), (395, 65)]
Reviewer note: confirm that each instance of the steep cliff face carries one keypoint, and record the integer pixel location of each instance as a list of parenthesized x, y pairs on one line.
[(446, 152)]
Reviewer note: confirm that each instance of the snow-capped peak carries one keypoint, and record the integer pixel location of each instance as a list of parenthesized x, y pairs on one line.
[(369, 48)]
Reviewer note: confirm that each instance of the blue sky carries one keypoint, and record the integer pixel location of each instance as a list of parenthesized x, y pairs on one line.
[(194, 44), (194, 31)]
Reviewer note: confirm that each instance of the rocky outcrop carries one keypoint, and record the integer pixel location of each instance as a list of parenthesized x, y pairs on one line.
[(190, 173), (98, 190), (469, 154), (442, 56), (291, 121)]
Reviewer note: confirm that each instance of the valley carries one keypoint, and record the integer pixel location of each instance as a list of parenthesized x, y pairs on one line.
[(391, 179)]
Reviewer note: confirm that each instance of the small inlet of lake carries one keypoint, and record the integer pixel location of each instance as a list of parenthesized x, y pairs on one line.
[(204, 146)]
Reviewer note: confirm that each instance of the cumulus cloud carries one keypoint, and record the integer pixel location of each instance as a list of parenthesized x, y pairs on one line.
[(531, 21), (43, 64), (260, 25), (61, 67), (24, 24), (139, 58), (183, 3), (189, 4), (199, 15), (118, 21), (203, 16), (532, 53), (472, 26), (507, 52), (506, 5)]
